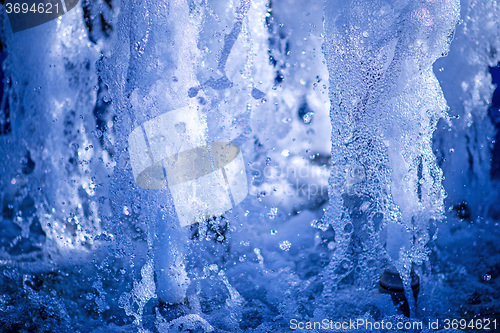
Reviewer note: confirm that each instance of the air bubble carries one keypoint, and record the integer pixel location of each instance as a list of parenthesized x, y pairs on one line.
[(285, 245)]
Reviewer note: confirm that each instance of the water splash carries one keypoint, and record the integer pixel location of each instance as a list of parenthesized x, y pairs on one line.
[(386, 103), (68, 185)]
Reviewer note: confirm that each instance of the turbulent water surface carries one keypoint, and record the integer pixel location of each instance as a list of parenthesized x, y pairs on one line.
[(285, 154)]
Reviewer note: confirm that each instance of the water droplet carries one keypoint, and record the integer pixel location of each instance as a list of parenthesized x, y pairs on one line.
[(319, 224), (285, 245), (192, 92), (348, 227), (257, 94), (308, 117)]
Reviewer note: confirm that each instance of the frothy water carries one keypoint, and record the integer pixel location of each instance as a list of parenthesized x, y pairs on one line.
[(386, 103), (364, 138)]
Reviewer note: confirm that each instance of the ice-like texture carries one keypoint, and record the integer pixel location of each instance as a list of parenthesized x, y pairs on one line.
[(386, 102), (52, 156), (338, 115), (149, 72)]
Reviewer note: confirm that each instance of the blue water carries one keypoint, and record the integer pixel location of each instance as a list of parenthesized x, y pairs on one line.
[(370, 139)]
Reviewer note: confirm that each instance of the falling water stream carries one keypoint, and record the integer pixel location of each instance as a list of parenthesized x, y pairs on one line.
[(231, 166)]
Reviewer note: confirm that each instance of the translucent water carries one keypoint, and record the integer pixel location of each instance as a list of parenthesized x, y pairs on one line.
[(386, 103), (366, 144)]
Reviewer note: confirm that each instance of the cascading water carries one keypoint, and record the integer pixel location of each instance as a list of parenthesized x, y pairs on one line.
[(386, 102), (360, 127)]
